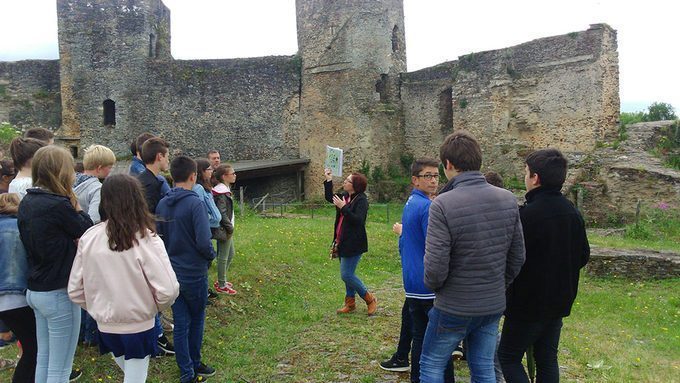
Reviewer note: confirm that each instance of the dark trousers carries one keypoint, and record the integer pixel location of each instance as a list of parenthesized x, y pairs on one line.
[(516, 338), (405, 336), (22, 323), (418, 308)]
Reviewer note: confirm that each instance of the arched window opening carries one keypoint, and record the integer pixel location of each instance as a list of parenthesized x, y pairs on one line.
[(446, 110), (109, 113), (152, 46), (395, 39)]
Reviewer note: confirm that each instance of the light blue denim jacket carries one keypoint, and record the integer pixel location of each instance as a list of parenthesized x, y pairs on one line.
[(214, 215), (13, 260)]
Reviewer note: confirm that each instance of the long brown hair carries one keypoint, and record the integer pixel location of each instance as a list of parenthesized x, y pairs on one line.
[(201, 166), (221, 171), (125, 211), (52, 169)]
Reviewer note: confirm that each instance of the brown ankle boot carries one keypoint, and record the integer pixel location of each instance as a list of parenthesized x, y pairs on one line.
[(371, 303), (350, 305)]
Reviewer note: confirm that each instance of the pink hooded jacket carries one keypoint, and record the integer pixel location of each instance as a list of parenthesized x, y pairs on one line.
[(124, 290)]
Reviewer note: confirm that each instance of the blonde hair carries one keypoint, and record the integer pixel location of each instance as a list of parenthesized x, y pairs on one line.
[(9, 203), (98, 155), (52, 169)]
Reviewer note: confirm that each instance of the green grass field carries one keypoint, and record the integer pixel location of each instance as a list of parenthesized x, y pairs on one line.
[(282, 325)]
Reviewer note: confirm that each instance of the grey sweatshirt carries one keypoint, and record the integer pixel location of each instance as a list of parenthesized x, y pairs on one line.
[(88, 190), (474, 246)]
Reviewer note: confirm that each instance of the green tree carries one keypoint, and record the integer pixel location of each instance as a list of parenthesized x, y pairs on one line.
[(627, 118), (660, 111)]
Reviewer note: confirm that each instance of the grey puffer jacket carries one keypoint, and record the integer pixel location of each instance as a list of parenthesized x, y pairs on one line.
[(474, 246)]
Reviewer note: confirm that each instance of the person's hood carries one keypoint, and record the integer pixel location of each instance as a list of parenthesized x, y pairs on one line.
[(177, 194), (83, 179), (221, 189)]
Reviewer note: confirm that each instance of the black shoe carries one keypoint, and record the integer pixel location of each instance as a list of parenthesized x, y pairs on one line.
[(204, 370), (212, 294), (395, 364), (458, 353), (76, 373), (196, 379), (165, 347)]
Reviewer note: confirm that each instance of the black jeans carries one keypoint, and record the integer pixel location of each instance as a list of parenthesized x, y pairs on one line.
[(516, 338), (22, 323), (405, 336), (418, 308)]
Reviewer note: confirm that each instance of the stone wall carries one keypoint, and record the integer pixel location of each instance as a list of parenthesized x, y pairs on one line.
[(29, 94), (559, 91), (245, 108), (634, 264)]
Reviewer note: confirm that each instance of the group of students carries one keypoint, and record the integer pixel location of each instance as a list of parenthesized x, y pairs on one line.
[(470, 255), (123, 250)]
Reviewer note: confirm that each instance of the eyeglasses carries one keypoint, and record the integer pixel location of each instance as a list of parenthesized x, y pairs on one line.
[(347, 181), (234, 173), (428, 176)]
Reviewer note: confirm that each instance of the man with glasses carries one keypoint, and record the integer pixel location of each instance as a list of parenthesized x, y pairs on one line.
[(413, 230)]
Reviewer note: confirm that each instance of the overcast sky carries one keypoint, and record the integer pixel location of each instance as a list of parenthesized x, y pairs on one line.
[(436, 31)]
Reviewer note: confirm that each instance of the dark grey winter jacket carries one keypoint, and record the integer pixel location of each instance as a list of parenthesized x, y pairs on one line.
[(474, 246)]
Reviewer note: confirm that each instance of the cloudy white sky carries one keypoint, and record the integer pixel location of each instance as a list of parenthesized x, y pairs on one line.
[(436, 31)]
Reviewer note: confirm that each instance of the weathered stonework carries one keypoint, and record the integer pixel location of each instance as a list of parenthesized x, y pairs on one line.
[(633, 264), (558, 91), (29, 94), (347, 87)]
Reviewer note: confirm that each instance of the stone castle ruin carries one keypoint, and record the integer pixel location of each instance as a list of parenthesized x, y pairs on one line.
[(347, 87)]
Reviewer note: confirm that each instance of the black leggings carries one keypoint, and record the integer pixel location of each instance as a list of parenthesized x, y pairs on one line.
[(22, 323)]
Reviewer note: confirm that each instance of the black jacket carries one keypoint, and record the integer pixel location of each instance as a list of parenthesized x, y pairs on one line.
[(152, 188), (49, 227), (353, 239), (556, 250)]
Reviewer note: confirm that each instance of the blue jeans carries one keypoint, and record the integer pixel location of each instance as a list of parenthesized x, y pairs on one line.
[(517, 336), (445, 331), (57, 324), (419, 309), (353, 285), (189, 314)]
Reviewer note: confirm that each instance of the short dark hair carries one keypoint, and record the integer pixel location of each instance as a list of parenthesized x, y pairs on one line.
[(41, 134), (212, 151), (462, 150), (23, 149), (181, 168), (133, 147), (550, 165), (152, 147), (359, 182), (421, 163), (493, 178), (140, 140)]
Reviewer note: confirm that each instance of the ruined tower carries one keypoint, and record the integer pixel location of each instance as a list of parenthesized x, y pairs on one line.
[(106, 50), (352, 53)]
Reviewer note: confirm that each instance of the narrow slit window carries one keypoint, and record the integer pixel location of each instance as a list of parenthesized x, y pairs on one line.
[(152, 45), (446, 110), (109, 113)]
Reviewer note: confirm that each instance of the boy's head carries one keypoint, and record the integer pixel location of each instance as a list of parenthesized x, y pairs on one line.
[(155, 151), (22, 151), (41, 134), (183, 170), (214, 158), (493, 178), (425, 175), (98, 160), (140, 140), (545, 167), (459, 153)]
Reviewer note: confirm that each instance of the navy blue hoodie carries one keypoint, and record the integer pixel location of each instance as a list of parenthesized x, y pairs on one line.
[(183, 226)]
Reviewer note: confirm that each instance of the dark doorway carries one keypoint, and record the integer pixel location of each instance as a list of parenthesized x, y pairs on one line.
[(109, 113)]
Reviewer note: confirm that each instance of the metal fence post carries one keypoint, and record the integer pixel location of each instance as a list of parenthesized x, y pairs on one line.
[(388, 213)]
